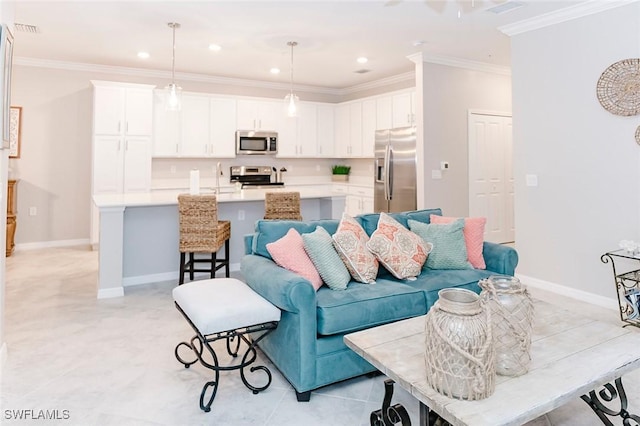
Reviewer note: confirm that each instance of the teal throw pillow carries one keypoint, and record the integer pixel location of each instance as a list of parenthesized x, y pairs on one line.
[(449, 248), (319, 246)]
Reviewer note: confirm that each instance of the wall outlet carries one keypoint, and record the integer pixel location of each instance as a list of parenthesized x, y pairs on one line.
[(240, 214), (33, 211), (436, 174)]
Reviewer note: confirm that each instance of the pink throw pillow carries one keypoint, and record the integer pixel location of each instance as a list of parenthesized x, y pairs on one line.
[(289, 253), (350, 241), (473, 232)]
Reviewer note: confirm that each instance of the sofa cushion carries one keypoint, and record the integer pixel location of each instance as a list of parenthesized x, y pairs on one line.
[(268, 231), (289, 253), (433, 280), (350, 242), (473, 237), (363, 306), (370, 221), (319, 246), (400, 251), (449, 250)]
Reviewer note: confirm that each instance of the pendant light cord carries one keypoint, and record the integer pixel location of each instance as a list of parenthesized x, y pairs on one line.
[(173, 25), (292, 44)]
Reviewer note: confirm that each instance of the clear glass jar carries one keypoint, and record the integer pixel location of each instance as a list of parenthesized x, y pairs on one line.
[(512, 322)]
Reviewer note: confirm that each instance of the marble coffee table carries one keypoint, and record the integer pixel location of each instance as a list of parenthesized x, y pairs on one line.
[(572, 356)]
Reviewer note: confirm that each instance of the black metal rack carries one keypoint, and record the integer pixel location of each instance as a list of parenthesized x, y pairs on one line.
[(627, 285)]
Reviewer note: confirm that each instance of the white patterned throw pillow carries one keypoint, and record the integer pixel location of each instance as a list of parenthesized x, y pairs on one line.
[(350, 241)]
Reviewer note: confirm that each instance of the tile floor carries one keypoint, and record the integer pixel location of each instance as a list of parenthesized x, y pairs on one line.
[(111, 362)]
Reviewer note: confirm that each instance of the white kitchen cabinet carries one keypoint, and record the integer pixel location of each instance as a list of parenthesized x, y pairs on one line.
[(122, 109), (403, 109), (368, 127), (258, 115), (166, 128), (325, 130), (384, 113), (121, 165), (359, 200), (223, 127), (137, 164), (195, 126), (310, 135), (204, 127), (348, 130)]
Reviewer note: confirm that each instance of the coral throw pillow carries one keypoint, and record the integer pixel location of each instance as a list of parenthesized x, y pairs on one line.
[(400, 251), (473, 237), (289, 253), (350, 242)]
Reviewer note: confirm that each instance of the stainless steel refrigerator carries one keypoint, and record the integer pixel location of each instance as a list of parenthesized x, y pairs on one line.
[(395, 170)]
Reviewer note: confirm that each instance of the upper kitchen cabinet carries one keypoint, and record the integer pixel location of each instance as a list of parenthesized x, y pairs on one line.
[(223, 127), (348, 130), (403, 110), (368, 127), (395, 110), (122, 108), (258, 115), (309, 135), (204, 127), (195, 126)]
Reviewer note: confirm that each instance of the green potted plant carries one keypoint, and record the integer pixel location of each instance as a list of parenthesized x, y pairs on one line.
[(340, 173)]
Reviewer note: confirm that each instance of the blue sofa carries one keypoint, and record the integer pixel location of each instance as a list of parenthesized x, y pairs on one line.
[(307, 347)]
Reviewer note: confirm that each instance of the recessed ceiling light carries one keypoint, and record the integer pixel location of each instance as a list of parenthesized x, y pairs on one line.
[(362, 60), (274, 70), (215, 47), (143, 55)]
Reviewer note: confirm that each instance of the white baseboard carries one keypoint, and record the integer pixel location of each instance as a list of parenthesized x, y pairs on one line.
[(583, 296), (108, 293), (50, 244), (165, 276)]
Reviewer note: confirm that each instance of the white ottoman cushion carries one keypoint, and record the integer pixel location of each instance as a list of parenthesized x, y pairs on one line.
[(223, 304)]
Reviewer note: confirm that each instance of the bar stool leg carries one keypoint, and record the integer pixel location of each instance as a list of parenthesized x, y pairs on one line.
[(226, 250), (214, 261), (181, 278), (192, 266)]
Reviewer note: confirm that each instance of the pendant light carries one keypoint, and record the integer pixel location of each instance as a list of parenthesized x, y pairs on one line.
[(291, 100), (174, 92)]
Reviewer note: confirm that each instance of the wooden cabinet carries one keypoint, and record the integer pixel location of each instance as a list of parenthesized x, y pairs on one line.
[(12, 211)]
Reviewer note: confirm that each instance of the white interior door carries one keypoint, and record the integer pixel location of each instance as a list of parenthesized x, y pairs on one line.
[(491, 174)]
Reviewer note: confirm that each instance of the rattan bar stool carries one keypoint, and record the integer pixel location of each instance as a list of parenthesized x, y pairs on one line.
[(282, 205), (202, 232)]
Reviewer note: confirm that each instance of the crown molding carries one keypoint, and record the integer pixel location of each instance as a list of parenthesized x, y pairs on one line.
[(407, 76), (148, 73), (563, 15), (459, 63)]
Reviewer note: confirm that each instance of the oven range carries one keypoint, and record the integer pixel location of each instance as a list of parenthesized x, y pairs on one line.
[(254, 177)]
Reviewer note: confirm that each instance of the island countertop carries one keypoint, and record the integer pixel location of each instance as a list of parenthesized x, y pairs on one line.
[(170, 196)]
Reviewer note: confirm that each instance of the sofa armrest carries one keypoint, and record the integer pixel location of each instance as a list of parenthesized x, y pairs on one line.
[(283, 288), (499, 258)]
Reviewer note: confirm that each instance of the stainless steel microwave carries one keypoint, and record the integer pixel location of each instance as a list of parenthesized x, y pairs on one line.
[(256, 143)]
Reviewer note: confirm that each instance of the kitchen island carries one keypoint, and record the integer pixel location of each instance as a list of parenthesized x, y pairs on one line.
[(139, 232)]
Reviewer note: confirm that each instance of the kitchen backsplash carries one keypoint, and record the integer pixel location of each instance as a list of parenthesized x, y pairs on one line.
[(174, 173)]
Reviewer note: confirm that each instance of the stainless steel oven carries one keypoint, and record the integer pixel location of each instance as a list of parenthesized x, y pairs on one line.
[(249, 142)]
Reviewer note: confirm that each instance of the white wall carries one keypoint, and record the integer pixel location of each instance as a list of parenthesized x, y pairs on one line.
[(586, 159), (7, 12), (448, 93)]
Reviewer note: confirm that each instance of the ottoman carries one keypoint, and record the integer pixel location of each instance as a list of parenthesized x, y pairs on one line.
[(223, 308)]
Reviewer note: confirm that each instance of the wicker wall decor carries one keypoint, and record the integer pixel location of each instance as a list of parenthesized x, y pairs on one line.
[(618, 88)]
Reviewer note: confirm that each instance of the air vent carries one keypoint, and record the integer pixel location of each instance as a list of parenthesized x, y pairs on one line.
[(363, 71), (505, 7), (25, 28)]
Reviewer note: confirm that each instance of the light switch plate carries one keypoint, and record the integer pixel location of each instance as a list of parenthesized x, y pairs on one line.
[(531, 180), (436, 174)]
